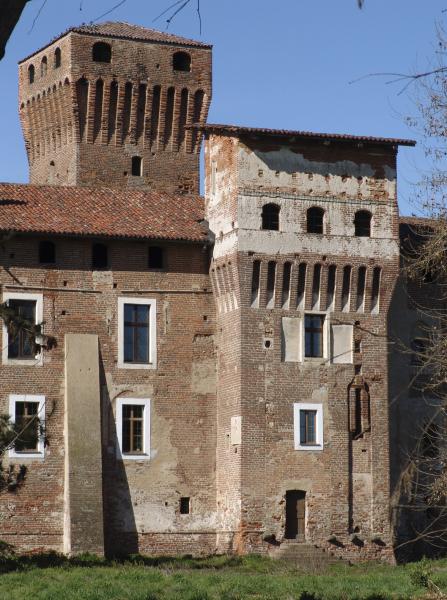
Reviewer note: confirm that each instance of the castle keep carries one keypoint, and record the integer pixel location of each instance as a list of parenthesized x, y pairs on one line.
[(222, 375)]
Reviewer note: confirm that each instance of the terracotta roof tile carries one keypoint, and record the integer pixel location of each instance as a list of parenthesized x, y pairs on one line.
[(239, 130), (123, 213)]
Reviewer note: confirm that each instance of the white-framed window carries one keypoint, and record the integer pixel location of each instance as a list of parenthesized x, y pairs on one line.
[(27, 412), (308, 426), (133, 425), (137, 336), (18, 349)]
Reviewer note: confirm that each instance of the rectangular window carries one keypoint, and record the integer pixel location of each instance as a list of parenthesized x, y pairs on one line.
[(313, 336), (17, 342), (20, 342), (156, 257), (184, 506), (136, 333), (28, 415), (133, 427), (308, 426)]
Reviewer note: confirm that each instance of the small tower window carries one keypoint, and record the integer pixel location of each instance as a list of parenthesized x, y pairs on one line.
[(102, 52), (185, 507), (362, 223), (270, 217), (137, 166), (156, 257), (57, 58), (181, 61), (43, 66), (315, 216), (31, 73), (99, 256), (47, 252)]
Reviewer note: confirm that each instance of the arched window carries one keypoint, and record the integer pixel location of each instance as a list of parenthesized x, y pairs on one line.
[(99, 256), (47, 252), (137, 164), (43, 66), (31, 73), (57, 58), (315, 216), (270, 217), (362, 223), (181, 61), (102, 52)]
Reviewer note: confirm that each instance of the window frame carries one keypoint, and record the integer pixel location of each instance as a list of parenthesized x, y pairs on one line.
[(152, 304), (311, 214), (40, 400), (319, 437), (324, 336), (146, 403), (38, 358)]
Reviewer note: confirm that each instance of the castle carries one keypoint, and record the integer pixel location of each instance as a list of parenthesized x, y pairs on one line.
[(223, 373)]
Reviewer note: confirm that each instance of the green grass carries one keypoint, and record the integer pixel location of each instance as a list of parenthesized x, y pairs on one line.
[(214, 578)]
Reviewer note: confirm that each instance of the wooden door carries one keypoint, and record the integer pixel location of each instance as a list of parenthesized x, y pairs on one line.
[(295, 515)]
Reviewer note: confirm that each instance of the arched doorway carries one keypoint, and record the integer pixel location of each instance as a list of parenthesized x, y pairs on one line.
[(295, 515)]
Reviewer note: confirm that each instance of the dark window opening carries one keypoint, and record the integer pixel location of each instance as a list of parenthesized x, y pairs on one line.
[(31, 73), (357, 412), (302, 269), (361, 282), (57, 58), (137, 166), (99, 256), (316, 286), (362, 223), (308, 427), (270, 217), (255, 283), (181, 61), (132, 433), (375, 292), (185, 506), (315, 217), (20, 342), (136, 333), (102, 52), (47, 252), (27, 427), (313, 325), (156, 257)]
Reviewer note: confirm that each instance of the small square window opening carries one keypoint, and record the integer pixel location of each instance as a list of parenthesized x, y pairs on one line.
[(185, 507)]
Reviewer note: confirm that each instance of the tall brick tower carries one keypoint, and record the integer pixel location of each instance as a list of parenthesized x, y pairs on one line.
[(304, 264), (110, 104)]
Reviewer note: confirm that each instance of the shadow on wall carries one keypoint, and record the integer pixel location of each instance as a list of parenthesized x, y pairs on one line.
[(120, 530)]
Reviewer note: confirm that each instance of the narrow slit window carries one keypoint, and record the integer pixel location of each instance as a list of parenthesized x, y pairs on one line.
[(99, 256), (375, 292), (137, 166), (255, 278), (270, 217), (357, 421), (331, 279), (57, 58), (346, 289), (271, 278), (301, 291), (285, 300), (43, 66), (361, 282), (31, 74), (362, 223), (316, 287), (315, 219)]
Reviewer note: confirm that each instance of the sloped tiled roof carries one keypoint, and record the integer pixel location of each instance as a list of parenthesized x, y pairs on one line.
[(83, 211), (240, 130), (126, 31)]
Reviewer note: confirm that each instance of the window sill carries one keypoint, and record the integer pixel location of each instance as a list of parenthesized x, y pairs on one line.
[(310, 447), (24, 362), (123, 365), (26, 455), (143, 457)]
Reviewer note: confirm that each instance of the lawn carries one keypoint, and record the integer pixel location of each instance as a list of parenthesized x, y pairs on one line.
[(217, 578)]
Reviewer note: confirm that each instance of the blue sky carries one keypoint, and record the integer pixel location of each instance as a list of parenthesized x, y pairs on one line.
[(281, 64)]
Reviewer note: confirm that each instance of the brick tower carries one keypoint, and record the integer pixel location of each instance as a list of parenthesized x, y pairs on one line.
[(110, 104), (304, 264)]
